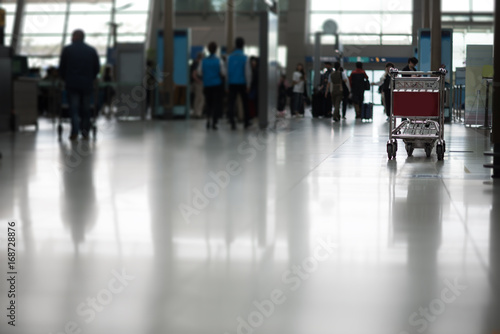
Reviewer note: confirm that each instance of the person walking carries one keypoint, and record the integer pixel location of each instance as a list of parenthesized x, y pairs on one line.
[(412, 62), (197, 82), (337, 90), (239, 80), (347, 91), (357, 82), (79, 67), (386, 89), (282, 95), (212, 70), (326, 102), (298, 91)]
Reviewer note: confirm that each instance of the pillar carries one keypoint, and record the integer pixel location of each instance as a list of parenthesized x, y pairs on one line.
[(317, 58), (426, 13), (66, 21), (2, 26), (168, 58), (436, 35), (230, 25), (296, 35), (495, 126), (16, 30), (417, 21), (154, 24)]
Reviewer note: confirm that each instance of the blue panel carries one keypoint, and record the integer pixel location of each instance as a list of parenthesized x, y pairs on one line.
[(159, 51), (447, 52), (181, 68), (460, 76), (195, 50), (424, 51)]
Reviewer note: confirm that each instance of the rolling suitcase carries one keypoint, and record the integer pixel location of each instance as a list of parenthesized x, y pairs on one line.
[(317, 105), (367, 111)]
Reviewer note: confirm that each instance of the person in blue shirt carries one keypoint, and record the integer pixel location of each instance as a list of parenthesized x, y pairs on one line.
[(239, 79), (212, 70), (79, 66)]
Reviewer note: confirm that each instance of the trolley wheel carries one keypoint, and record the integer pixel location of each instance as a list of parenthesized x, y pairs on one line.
[(59, 131), (390, 153), (94, 131), (409, 149), (428, 150), (440, 152)]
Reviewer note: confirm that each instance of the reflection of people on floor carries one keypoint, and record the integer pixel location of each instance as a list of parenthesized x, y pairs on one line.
[(417, 222), (79, 208)]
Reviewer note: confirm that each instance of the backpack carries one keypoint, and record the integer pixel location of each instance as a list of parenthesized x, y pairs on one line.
[(336, 82)]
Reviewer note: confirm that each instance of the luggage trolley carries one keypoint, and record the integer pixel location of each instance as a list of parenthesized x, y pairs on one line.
[(64, 112), (419, 101)]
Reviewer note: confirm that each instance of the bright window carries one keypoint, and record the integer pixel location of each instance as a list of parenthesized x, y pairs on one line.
[(43, 26), (365, 21)]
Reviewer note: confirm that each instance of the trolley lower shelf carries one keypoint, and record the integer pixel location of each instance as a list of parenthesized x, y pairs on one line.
[(417, 134)]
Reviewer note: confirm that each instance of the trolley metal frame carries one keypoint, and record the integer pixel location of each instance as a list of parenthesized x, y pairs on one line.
[(94, 111), (419, 102)]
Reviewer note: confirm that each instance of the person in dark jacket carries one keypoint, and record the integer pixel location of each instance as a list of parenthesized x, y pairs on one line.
[(386, 89), (412, 62), (79, 66), (357, 82), (326, 102), (282, 95)]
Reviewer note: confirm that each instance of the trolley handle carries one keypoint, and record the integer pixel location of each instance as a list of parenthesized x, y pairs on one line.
[(395, 71)]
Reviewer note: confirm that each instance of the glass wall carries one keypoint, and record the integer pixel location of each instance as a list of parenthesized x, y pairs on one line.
[(467, 5), (10, 9), (458, 14), (212, 6), (47, 26), (372, 22)]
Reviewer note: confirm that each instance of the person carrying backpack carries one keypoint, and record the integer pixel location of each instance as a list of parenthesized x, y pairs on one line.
[(337, 90), (358, 80), (347, 92), (386, 89)]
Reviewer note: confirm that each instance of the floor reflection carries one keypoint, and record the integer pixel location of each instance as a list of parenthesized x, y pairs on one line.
[(79, 209)]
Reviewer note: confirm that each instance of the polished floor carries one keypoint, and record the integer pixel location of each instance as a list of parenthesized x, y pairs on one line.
[(164, 227)]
